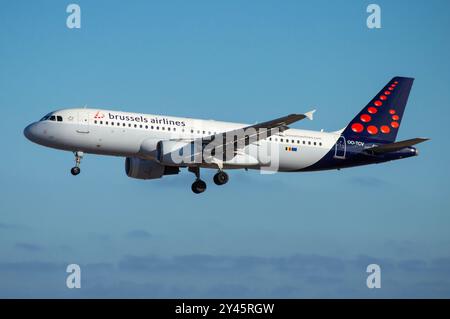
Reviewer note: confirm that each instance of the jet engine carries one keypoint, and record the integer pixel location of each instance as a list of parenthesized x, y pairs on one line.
[(146, 169)]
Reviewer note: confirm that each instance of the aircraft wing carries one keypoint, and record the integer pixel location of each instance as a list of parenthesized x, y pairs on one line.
[(252, 132), (393, 147), (282, 122)]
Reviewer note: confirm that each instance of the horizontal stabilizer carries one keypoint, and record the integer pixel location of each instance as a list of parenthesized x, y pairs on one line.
[(393, 147)]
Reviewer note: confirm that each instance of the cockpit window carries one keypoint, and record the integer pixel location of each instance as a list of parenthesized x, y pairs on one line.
[(52, 117), (46, 117)]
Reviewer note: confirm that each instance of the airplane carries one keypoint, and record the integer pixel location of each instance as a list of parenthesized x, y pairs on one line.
[(156, 145)]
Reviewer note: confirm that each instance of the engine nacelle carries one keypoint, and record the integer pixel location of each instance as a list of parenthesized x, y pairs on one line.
[(148, 148), (146, 169)]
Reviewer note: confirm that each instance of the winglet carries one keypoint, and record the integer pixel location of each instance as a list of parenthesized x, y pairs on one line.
[(309, 114)]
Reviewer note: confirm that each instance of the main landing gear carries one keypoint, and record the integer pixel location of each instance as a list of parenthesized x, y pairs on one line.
[(76, 169), (199, 186), (220, 178)]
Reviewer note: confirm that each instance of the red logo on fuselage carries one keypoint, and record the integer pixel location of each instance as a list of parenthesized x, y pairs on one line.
[(99, 115)]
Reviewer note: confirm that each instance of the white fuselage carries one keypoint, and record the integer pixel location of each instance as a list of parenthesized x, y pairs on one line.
[(116, 133)]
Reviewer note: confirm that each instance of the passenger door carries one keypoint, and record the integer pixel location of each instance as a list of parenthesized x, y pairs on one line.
[(83, 122)]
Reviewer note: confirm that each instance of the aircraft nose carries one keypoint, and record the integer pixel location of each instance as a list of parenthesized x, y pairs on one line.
[(30, 132)]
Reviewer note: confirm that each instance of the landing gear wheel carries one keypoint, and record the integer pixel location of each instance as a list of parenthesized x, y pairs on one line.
[(78, 156), (220, 178), (198, 186), (75, 171)]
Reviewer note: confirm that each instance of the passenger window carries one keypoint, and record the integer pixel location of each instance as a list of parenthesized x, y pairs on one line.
[(129, 125), (135, 125), (315, 143), (309, 142), (168, 128), (101, 122), (157, 127), (95, 122), (146, 127), (163, 128), (124, 124), (140, 126), (174, 128), (281, 140), (151, 127)]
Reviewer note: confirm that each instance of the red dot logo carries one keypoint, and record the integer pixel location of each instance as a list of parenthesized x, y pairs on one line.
[(395, 124), (378, 103), (365, 118), (391, 112), (395, 117), (387, 92), (372, 129), (383, 97), (372, 110), (385, 129), (357, 127)]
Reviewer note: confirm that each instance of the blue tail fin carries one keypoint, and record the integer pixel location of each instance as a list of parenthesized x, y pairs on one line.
[(380, 120)]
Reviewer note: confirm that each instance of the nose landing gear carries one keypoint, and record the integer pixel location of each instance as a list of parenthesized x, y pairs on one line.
[(76, 169)]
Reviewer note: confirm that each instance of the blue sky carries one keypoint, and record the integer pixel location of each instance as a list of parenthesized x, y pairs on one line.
[(283, 235)]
